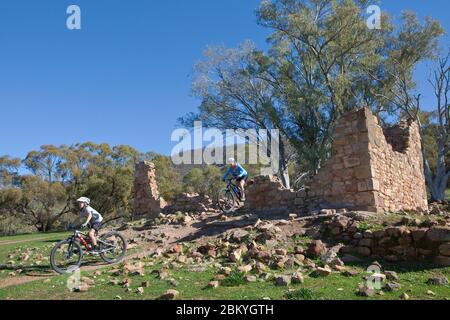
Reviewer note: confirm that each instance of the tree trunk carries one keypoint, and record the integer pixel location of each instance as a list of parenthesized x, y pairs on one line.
[(284, 168)]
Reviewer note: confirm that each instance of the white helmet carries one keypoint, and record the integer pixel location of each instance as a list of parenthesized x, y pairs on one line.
[(84, 200), (231, 161)]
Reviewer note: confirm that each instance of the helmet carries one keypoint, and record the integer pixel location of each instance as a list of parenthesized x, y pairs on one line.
[(231, 161), (84, 200)]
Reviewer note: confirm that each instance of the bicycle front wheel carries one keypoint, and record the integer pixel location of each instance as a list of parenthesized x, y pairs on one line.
[(227, 201), (66, 257)]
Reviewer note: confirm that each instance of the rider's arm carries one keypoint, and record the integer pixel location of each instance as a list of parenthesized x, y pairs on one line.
[(88, 218), (242, 171), (226, 174)]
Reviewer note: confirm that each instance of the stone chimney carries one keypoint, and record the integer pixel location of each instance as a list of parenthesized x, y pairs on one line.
[(147, 200)]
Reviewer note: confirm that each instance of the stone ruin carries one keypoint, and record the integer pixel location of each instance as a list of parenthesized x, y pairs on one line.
[(147, 200), (370, 169)]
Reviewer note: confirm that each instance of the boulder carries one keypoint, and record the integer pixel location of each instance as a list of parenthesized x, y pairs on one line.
[(170, 294), (317, 249), (283, 281)]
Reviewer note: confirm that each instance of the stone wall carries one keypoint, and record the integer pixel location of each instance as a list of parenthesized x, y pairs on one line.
[(370, 169), (397, 243), (266, 193), (373, 169), (194, 203), (147, 200)]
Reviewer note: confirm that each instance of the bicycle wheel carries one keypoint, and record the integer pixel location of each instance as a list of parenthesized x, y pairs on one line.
[(113, 247), (66, 257), (226, 201)]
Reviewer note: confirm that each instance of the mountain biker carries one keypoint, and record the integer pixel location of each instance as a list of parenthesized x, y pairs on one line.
[(239, 173), (93, 218)]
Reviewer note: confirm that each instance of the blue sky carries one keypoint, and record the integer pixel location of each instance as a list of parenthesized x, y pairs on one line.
[(125, 77)]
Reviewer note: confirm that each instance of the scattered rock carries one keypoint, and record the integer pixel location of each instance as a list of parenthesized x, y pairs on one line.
[(323, 272), (438, 281), (213, 284), (366, 291), (391, 275), (317, 249), (297, 278), (405, 296), (170, 294), (392, 286), (283, 281)]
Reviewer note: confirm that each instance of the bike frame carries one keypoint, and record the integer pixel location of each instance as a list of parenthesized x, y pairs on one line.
[(85, 241), (234, 188)]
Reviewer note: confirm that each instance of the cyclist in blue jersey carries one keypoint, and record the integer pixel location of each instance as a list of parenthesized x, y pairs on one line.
[(238, 173)]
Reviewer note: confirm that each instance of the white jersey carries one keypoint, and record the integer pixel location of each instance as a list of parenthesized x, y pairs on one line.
[(96, 217)]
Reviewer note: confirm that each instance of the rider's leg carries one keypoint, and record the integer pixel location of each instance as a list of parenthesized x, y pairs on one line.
[(92, 237), (242, 187)]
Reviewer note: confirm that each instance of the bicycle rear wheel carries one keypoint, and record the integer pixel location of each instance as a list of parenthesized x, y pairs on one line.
[(226, 201), (113, 247)]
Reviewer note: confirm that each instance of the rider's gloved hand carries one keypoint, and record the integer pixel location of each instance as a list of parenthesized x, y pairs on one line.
[(84, 225)]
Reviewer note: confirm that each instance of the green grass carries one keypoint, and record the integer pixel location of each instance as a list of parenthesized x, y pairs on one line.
[(192, 285)]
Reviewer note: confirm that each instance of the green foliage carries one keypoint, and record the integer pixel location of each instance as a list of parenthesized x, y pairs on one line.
[(235, 279), (169, 181), (206, 181), (301, 294), (323, 61), (59, 175)]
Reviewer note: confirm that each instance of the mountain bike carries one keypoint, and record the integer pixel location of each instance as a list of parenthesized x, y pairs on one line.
[(67, 255), (230, 197)]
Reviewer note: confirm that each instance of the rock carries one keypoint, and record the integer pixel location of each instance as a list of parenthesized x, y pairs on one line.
[(438, 281), (430, 293), (297, 278), (392, 286), (245, 269), (88, 281), (439, 234), (316, 249), (239, 236), (118, 298), (251, 278), (347, 258), (444, 249), (283, 281), (213, 284), (145, 284), (281, 252), (83, 287), (364, 251), (323, 272), (177, 249), (236, 255), (391, 275), (225, 270), (140, 290), (443, 261), (366, 291), (170, 294), (350, 273), (405, 296)]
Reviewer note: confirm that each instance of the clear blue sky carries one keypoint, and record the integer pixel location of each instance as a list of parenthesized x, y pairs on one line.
[(125, 77)]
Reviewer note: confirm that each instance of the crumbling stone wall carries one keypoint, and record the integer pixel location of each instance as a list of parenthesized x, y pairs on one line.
[(373, 169), (396, 243), (147, 200), (266, 193), (187, 202), (370, 169)]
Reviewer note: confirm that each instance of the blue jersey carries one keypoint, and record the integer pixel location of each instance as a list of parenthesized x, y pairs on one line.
[(238, 172)]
